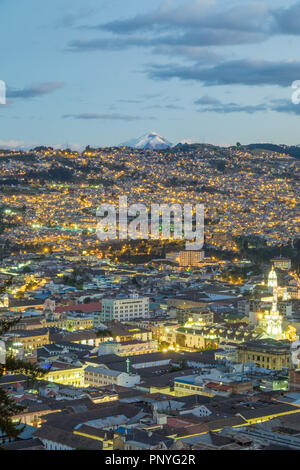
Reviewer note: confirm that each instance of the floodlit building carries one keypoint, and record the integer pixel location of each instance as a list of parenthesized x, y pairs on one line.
[(271, 320), (191, 257), (272, 279), (267, 353), (282, 263), (125, 309), (65, 374)]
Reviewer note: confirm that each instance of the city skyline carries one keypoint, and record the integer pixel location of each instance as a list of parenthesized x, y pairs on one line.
[(149, 228)]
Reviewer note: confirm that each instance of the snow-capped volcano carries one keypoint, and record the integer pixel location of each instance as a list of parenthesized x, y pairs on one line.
[(152, 141)]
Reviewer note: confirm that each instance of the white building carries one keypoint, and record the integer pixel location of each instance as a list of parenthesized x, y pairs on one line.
[(125, 309), (99, 377)]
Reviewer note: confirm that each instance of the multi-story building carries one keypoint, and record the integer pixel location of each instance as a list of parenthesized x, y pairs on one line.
[(29, 340), (129, 348), (173, 257), (66, 374), (285, 308), (194, 384), (99, 376), (282, 263), (201, 315), (243, 307), (191, 257), (76, 321), (294, 380), (190, 385), (267, 353), (125, 309)]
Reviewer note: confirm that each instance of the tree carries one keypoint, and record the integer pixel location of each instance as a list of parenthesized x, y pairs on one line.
[(104, 334), (8, 407)]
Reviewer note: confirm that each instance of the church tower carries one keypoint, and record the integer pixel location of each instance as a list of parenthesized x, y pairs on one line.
[(272, 320), (272, 279)]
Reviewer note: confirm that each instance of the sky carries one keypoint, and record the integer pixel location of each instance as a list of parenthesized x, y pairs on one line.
[(101, 72)]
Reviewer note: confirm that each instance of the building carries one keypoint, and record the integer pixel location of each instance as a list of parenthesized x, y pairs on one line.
[(128, 348), (282, 263), (285, 308), (190, 385), (99, 377), (59, 439), (191, 258), (267, 353), (84, 337), (75, 321), (271, 322), (29, 340), (195, 336), (124, 309), (201, 315), (272, 280), (173, 257), (62, 373), (128, 332), (294, 380), (204, 385), (140, 439), (243, 307)]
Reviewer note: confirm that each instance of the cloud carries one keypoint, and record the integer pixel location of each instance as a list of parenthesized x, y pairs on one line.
[(103, 44), (34, 91), (166, 106), (207, 100), (150, 96), (227, 108), (287, 107), (22, 145), (198, 53), (239, 72), (16, 144), (69, 145), (186, 30), (287, 20), (99, 116), (69, 19), (189, 44), (130, 101), (211, 104), (251, 16)]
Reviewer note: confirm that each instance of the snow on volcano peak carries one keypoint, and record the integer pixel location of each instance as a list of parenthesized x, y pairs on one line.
[(151, 141)]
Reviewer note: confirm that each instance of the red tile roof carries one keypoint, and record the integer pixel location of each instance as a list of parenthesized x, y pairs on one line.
[(84, 308), (216, 386)]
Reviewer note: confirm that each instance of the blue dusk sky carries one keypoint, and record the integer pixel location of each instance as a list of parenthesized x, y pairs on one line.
[(101, 72)]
